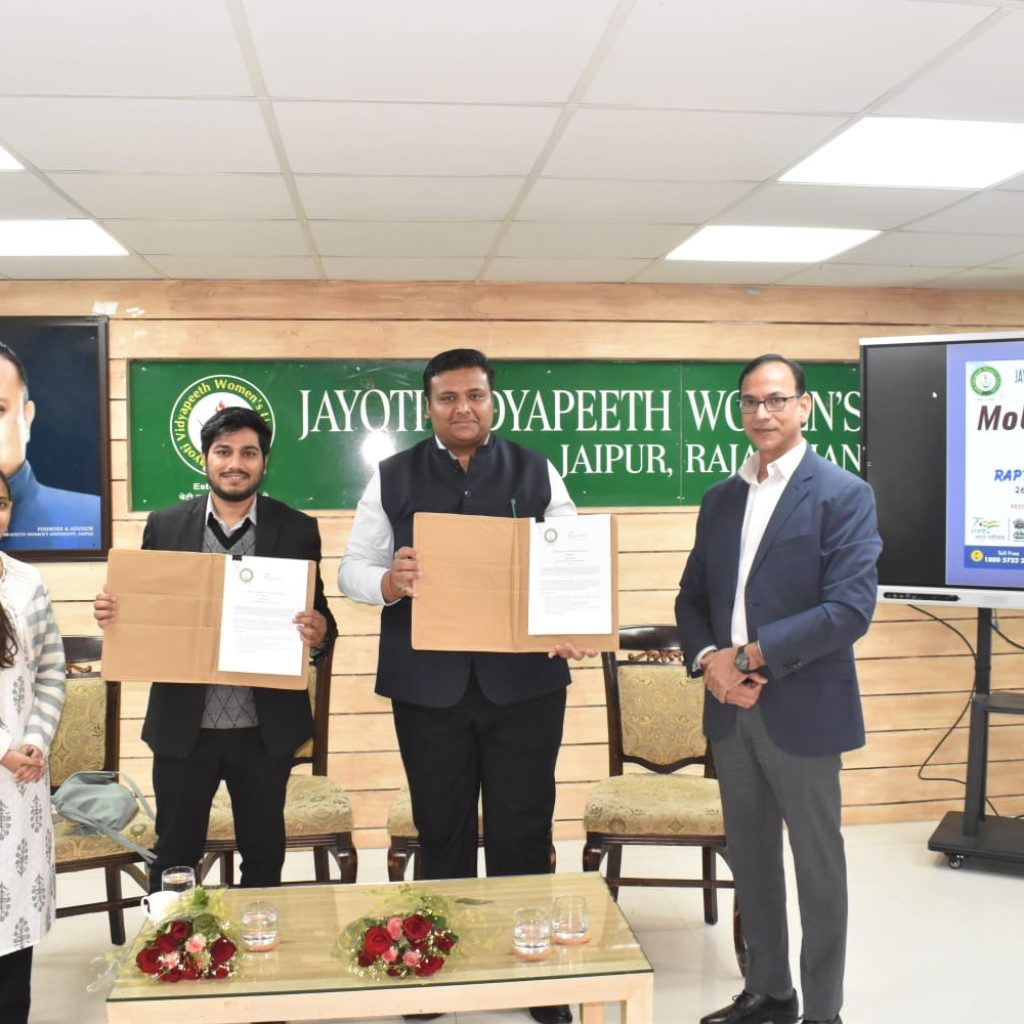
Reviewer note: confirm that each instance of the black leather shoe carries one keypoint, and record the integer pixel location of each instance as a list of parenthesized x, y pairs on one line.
[(551, 1014), (748, 1008)]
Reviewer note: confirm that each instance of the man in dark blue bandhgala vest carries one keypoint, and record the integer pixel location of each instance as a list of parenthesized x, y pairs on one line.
[(470, 725)]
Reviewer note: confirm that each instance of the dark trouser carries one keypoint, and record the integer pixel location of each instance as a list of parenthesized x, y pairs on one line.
[(15, 986), (504, 752), (762, 786), (184, 789)]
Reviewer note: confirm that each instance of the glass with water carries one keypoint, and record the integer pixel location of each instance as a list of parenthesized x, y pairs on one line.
[(569, 920), (180, 878), (259, 926), (531, 932)]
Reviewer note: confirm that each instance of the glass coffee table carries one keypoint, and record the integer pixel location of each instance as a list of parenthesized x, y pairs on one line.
[(304, 979)]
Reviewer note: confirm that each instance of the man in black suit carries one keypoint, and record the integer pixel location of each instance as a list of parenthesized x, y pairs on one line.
[(245, 736)]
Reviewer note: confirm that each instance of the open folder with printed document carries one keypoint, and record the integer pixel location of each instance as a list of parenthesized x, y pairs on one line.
[(515, 585), (192, 617)]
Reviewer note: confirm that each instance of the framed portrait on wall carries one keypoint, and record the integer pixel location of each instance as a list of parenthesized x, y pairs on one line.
[(55, 436)]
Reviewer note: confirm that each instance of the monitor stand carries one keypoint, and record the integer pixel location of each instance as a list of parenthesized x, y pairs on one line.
[(970, 833)]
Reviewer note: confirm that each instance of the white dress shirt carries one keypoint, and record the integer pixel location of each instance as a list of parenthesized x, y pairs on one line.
[(371, 544), (250, 514), (762, 497), (761, 501)]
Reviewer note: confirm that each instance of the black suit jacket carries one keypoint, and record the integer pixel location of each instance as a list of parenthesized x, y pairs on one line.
[(175, 710)]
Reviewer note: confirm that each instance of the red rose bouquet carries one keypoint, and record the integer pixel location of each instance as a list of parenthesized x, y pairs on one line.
[(193, 942), (413, 942)]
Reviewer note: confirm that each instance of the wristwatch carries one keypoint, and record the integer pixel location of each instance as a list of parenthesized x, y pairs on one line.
[(742, 659)]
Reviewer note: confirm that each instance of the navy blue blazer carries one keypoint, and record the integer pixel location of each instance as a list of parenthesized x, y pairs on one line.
[(175, 710), (810, 594)]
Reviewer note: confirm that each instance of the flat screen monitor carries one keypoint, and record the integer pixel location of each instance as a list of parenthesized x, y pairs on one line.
[(943, 448)]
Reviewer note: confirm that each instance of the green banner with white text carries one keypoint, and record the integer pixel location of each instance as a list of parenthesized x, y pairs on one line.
[(621, 433)]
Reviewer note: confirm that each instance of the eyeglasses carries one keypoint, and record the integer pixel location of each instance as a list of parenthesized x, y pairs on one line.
[(774, 403)]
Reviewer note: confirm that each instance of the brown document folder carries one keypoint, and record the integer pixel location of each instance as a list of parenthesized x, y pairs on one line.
[(474, 592), (168, 621)]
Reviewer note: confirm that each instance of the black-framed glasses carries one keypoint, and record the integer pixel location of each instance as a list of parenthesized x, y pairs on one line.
[(773, 403)]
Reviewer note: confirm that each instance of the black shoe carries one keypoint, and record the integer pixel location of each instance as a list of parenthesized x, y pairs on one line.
[(551, 1014), (748, 1008)]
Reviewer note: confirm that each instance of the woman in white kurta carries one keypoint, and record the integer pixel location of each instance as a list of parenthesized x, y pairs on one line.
[(31, 698)]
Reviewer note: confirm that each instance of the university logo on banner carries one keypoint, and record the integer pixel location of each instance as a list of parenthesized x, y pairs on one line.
[(202, 399)]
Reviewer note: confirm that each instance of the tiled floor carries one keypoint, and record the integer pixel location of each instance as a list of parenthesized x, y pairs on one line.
[(927, 945)]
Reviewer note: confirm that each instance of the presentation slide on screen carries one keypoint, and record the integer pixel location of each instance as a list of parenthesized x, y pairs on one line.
[(985, 464)]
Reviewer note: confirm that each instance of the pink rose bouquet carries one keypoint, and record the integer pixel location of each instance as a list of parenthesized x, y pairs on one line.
[(414, 944), (193, 942)]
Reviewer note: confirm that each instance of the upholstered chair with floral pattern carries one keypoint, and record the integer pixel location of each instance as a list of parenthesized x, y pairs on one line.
[(317, 811), (662, 789), (88, 739)]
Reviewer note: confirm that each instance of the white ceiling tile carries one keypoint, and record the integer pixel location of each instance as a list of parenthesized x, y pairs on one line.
[(500, 51), (837, 206), (591, 241), (684, 145), (629, 202), (120, 48), (980, 81), (340, 268), (179, 196), (358, 238), (211, 238), (985, 277), (786, 55), (61, 268), (929, 249), (1015, 262), (684, 272), (507, 269), (1014, 184), (393, 138), (991, 213), (24, 196), (258, 268), (851, 275), (333, 197), (167, 136)]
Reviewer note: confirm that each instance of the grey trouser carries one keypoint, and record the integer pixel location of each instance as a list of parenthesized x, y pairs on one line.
[(762, 787)]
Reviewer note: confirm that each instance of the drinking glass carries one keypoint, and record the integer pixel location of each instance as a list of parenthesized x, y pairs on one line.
[(180, 878), (531, 933), (259, 926), (569, 919)]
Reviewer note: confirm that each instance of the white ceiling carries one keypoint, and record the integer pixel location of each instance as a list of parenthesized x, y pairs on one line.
[(494, 140)]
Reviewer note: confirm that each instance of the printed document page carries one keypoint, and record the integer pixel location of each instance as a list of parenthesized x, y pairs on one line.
[(570, 576), (261, 597)]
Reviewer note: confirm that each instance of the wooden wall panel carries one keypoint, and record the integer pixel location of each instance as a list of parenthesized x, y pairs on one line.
[(916, 673), (895, 310)]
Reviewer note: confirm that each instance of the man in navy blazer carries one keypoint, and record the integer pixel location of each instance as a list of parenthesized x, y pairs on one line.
[(780, 583)]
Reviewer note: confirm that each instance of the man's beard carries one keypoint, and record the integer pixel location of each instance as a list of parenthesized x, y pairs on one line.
[(235, 496)]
